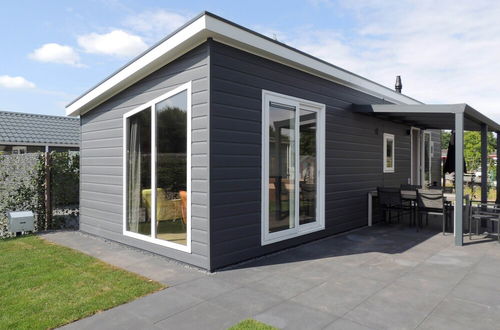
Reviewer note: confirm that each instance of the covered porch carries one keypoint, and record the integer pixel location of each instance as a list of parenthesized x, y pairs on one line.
[(457, 117)]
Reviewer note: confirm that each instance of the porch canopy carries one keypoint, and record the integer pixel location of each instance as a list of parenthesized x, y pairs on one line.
[(458, 117)]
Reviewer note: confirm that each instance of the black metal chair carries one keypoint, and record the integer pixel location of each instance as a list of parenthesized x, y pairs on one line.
[(484, 212), (431, 202), (411, 204), (389, 200)]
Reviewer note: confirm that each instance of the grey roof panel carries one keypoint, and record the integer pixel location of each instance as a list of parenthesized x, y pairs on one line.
[(36, 128)]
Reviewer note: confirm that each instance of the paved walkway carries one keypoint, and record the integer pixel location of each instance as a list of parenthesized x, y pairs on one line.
[(375, 278)]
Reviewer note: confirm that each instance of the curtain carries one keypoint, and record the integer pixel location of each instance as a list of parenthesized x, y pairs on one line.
[(134, 174)]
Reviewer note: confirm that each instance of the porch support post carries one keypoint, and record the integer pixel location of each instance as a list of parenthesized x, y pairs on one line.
[(459, 177), (484, 163), (498, 169)]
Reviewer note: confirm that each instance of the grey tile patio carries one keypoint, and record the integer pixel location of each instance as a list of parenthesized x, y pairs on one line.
[(246, 301), (282, 285), (458, 314), (206, 287), (290, 315), (159, 306), (345, 324), (339, 295), (116, 318), (384, 277), (206, 316), (395, 307)]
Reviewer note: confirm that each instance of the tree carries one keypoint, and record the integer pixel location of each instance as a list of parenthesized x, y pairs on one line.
[(472, 149), (445, 139)]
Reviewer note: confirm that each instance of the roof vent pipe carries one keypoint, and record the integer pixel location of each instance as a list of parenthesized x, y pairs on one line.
[(399, 84)]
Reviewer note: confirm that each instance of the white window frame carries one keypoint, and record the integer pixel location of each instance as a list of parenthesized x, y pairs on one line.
[(422, 165), (151, 104), (391, 137), (319, 224)]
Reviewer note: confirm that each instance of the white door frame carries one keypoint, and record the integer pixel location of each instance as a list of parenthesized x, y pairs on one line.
[(298, 229), (419, 160), (422, 157)]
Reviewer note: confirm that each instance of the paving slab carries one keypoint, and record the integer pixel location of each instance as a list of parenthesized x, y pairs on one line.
[(246, 301), (293, 316), (282, 285), (207, 287), (206, 316), (339, 295), (458, 314), (161, 305), (345, 324), (395, 307), (116, 318)]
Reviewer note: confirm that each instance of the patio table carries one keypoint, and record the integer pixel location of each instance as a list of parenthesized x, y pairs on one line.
[(406, 195)]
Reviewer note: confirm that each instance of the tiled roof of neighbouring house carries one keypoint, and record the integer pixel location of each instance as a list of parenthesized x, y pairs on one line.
[(16, 127)]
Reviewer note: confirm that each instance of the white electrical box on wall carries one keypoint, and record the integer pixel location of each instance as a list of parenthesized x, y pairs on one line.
[(20, 221)]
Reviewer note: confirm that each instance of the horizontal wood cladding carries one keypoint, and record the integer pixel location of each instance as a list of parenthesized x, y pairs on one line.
[(102, 152), (353, 152)]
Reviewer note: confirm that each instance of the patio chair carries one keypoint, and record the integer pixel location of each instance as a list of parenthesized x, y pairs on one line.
[(389, 200), (485, 212), (431, 202), (166, 209), (408, 203)]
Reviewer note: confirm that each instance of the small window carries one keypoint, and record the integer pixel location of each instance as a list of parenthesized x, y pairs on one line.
[(18, 150), (389, 153)]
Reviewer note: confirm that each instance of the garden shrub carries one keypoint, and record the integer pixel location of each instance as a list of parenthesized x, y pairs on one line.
[(22, 187)]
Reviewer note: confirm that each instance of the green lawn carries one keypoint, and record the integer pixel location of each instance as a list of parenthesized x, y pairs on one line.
[(44, 285), (251, 324)]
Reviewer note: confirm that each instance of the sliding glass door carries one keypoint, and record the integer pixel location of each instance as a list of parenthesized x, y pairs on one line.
[(292, 194)]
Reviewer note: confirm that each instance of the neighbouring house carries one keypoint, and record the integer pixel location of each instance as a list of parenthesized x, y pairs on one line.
[(22, 133), (219, 144)]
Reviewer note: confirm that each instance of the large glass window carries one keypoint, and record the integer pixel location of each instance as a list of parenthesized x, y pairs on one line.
[(308, 166), (292, 193), (158, 171), (171, 160), (139, 173), (281, 167)]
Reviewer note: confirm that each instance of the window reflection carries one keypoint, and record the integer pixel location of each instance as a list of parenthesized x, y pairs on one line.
[(139, 173), (171, 169)]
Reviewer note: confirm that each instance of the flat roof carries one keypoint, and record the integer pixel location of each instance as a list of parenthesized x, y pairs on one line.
[(430, 116), (207, 25)]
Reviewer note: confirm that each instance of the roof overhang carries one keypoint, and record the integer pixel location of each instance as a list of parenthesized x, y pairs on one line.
[(208, 25), (430, 116)]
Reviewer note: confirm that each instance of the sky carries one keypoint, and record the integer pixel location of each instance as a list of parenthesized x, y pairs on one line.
[(446, 51)]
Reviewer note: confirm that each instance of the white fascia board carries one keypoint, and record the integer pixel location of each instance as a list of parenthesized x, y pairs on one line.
[(173, 47), (250, 42)]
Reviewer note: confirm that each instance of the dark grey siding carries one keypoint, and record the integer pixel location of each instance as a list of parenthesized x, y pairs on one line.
[(101, 156), (353, 152)]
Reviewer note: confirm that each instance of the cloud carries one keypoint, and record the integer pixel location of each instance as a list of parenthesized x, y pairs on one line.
[(116, 43), (156, 24), (15, 82), (56, 53), (446, 51)]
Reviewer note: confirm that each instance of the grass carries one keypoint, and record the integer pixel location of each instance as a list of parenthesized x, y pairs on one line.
[(251, 324), (44, 285)]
